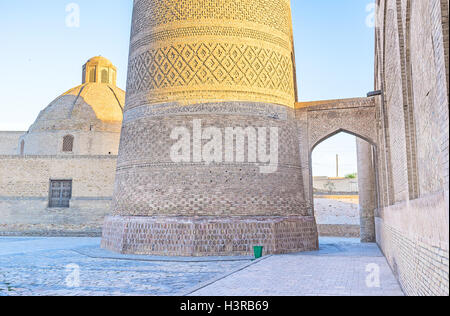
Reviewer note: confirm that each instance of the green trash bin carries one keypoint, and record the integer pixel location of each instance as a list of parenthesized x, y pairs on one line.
[(258, 250)]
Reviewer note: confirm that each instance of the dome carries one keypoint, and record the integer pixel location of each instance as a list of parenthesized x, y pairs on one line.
[(88, 106), (100, 59), (95, 104), (89, 116)]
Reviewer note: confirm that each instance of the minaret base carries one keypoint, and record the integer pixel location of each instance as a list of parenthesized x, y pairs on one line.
[(209, 236)]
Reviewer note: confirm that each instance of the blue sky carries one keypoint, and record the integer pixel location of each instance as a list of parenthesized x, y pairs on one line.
[(41, 57)]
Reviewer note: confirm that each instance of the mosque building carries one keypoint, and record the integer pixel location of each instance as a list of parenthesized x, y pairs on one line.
[(57, 177)]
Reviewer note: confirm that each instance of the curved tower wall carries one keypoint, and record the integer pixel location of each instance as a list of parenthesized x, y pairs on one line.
[(209, 66), (198, 50)]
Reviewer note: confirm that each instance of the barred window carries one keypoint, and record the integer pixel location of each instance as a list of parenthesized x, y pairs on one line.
[(60, 193), (68, 143)]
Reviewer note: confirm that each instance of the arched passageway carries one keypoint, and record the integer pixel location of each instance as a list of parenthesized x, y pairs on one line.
[(323, 120), (344, 186)]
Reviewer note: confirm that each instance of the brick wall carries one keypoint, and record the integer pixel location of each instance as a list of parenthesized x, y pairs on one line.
[(149, 183), (319, 120), (335, 185), (414, 238), (412, 220), (394, 103), (85, 142), (24, 192), (9, 142)]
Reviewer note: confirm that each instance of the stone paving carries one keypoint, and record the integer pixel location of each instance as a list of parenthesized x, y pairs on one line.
[(46, 266), (342, 267), (49, 266)]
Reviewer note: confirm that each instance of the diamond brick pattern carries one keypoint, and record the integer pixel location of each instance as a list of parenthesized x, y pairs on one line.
[(211, 64), (194, 51)]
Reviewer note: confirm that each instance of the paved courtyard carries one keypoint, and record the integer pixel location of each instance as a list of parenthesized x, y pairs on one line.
[(342, 267), (337, 212), (77, 266)]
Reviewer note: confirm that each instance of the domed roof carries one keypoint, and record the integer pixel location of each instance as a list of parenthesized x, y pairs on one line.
[(100, 59), (92, 105)]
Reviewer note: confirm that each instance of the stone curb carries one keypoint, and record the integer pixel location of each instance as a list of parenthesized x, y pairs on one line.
[(223, 276), (98, 253)]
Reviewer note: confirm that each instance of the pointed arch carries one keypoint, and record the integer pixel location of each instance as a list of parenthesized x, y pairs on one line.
[(367, 219), (342, 130)]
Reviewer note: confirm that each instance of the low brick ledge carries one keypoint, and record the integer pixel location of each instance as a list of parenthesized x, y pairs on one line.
[(209, 236)]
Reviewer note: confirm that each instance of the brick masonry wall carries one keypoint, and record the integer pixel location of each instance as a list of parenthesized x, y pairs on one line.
[(367, 196), (414, 237), (339, 230), (148, 182), (430, 95), (31, 216), (324, 119), (206, 51), (413, 232), (85, 142), (209, 236), (24, 192), (394, 104), (332, 185), (9, 142), (319, 120), (222, 208)]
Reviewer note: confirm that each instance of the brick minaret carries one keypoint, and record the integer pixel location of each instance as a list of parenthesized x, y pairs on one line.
[(208, 67)]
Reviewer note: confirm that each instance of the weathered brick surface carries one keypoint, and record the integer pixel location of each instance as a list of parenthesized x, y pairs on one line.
[(326, 118), (192, 51), (368, 194), (149, 183), (411, 69), (209, 236), (85, 142), (339, 230), (229, 66), (24, 194), (9, 142), (319, 120), (414, 238), (394, 101)]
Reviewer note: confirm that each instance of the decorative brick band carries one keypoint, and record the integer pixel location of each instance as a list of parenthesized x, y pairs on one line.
[(191, 51), (264, 110), (272, 14), (209, 236), (209, 31)]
